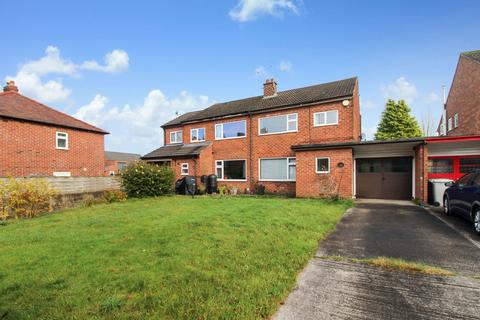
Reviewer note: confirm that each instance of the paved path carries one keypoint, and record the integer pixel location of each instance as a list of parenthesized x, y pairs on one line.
[(343, 290)]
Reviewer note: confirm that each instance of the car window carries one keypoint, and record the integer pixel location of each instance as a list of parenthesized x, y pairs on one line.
[(464, 180), (476, 180)]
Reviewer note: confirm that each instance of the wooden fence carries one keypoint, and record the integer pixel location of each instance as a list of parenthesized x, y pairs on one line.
[(77, 185)]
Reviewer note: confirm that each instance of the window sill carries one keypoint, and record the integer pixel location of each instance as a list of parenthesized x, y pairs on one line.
[(233, 180), (273, 133), (325, 125), (271, 180), (322, 172), (66, 149), (197, 141), (219, 139)]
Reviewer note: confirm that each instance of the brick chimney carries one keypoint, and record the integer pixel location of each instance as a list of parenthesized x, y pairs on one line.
[(269, 88), (10, 86)]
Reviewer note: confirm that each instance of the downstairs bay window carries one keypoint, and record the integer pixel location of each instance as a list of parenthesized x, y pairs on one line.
[(231, 169), (278, 169)]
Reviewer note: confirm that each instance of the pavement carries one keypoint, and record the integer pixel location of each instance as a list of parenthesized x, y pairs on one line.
[(329, 289)]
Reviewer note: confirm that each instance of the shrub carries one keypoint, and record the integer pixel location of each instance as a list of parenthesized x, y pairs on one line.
[(114, 196), (25, 198), (140, 179)]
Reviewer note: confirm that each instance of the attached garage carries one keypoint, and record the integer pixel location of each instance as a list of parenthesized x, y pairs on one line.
[(384, 178)]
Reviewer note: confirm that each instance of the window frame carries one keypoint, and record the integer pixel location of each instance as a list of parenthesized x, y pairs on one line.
[(287, 168), (184, 165), (316, 165), (197, 130), (287, 121), (315, 124), (176, 134), (223, 123), (123, 163), (455, 120), (223, 170), (66, 140), (450, 124)]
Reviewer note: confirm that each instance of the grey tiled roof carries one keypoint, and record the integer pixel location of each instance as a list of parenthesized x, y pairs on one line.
[(176, 150), (475, 55), (121, 156), (316, 93)]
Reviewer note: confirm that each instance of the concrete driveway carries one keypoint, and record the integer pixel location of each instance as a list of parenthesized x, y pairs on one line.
[(329, 289)]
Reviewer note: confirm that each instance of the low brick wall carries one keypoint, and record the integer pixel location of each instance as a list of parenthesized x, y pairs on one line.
[(80, 185)]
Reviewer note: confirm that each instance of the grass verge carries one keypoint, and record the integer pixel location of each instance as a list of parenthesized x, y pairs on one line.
[(164, 258), (396, 264)]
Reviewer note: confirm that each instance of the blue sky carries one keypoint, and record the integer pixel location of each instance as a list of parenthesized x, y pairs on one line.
[(129, 66)]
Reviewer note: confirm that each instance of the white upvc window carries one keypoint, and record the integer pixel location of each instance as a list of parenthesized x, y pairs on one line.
[(62, 174), (278, 124), (231, 130), (197, 135), (322, 165), (455, 120), (176, 136), (184, 169), (233, 170), (325, 118), (61, 140), (450, 124), (277, 169)]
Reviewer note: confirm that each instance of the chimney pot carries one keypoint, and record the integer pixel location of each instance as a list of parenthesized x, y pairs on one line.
[(269, 88), (10, 86)]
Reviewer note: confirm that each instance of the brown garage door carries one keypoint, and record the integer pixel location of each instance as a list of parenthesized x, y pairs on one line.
[(384, 178)]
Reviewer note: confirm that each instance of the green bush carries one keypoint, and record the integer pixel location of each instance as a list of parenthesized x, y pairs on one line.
[(141, 179), (25, 198)]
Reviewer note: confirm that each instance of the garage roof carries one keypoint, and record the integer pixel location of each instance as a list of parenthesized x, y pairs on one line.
[(340, 145), (176, 151)]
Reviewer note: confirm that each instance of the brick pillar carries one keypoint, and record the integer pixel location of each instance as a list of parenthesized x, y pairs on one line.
[(421, 172)]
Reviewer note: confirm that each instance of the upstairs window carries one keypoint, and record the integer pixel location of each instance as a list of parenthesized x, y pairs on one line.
[(62, 140), (326, 118), (278, 124), (231, 130), (176, 136), (197, 135)]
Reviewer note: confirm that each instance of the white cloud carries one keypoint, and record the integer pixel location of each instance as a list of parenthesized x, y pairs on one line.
[(115, 61), (285, 66), (400, 89), (29, 75), (260, 72), (247, 10), (432, 98), (139, 124)]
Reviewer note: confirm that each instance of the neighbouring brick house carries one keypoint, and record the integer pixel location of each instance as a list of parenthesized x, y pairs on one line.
[(462, 109), (305, 142), (36, 140), (116, 161)]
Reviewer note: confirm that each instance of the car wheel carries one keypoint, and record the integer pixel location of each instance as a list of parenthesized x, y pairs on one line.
[(476, 220), (446, 206)]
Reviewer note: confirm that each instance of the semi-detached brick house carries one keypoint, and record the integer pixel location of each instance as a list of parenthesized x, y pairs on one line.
[(36, 140), (303, 141)]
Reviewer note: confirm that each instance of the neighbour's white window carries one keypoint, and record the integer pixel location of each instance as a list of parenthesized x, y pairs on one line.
[(197, 135), (322, 165), (231, 169), (278, 169), (121, 165), (326, 118), (184, 169), (450, 127), (278, 124), (176, 136), (455, 120), (62, 140), (231, 130)]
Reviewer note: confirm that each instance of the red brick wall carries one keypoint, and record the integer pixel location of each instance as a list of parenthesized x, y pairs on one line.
[(464, 98), (255, 146), (30, 149), (421, 172), (338, 180)]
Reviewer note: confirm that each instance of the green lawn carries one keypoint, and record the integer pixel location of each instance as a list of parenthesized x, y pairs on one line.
[(163, 258)]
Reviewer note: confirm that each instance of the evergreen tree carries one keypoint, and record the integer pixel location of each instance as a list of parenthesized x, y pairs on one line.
[(397, 122)]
